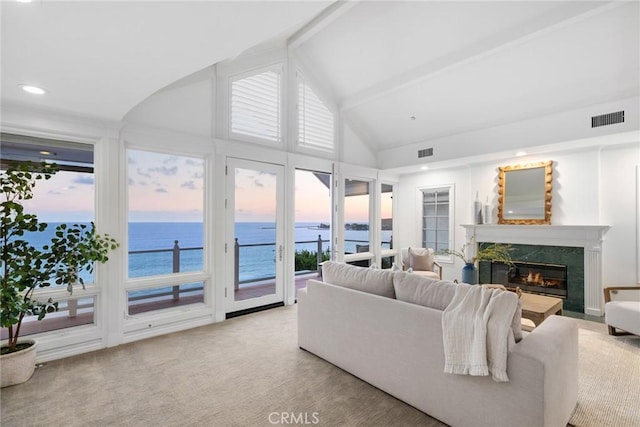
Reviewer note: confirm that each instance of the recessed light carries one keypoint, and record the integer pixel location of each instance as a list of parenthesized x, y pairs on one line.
[(424, 168), (521, 153), (34, 90)]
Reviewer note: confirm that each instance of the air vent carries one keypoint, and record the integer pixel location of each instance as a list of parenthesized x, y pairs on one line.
[(425, 153), (607, 119)]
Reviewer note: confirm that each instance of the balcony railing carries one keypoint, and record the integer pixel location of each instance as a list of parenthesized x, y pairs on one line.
[(79, 312), (361, 246)]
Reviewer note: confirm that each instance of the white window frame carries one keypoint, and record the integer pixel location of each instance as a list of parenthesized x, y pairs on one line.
[(370, 254), (279, 70), (159, 322), (386, 253), (420, 204)]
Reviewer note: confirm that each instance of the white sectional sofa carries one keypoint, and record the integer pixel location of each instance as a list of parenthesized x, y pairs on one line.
[(398, 347)]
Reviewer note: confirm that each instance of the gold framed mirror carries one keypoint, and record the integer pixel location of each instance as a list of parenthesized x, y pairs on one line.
[(524, 193)]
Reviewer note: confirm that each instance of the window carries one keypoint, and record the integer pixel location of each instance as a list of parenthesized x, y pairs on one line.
[(255, 106), (71, 312), (312, 221), (315, 120), (356, 220), (166, 230), (436, 218), (386, 225), (166, 200), (67, 198)]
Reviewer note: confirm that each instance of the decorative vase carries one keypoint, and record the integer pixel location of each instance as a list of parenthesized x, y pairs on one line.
[(18, 367), (469, 274)]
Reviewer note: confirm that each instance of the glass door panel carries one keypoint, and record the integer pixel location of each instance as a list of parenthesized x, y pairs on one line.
[(255, 237), (312, 235), (356, 222)]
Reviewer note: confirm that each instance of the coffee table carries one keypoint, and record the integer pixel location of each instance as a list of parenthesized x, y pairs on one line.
[(538, 307)]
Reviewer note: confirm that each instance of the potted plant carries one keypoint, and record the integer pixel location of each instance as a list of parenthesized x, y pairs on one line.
[(470, 256), (25, 267)]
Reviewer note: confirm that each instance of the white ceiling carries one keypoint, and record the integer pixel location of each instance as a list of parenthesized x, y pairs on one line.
[(461, 66), (101, 58), (455, 66)]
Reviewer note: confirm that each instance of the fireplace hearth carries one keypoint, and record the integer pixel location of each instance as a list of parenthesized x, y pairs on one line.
[(539, 278)]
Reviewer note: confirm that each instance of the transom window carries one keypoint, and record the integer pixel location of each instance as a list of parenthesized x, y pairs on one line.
[(315, 120), (256, 106)]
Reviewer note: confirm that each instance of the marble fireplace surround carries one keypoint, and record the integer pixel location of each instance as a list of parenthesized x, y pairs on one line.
[(588, 237)]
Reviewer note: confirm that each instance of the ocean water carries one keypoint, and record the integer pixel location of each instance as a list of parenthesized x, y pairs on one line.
[(151, 246)]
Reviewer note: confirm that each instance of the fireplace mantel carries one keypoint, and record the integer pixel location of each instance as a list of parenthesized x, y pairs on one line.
[(552, 235), (588, 237)]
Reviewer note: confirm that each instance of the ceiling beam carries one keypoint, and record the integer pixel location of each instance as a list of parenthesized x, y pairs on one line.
[(320, 21), (476, 52)]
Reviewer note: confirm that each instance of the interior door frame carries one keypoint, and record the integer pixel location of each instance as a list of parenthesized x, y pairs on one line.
[(231, 164)]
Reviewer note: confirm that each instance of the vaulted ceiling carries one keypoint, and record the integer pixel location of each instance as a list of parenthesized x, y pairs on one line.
[(401, 72), (459, 66), (102, 58)]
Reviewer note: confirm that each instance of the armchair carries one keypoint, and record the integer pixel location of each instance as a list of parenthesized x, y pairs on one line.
[(621, 314), (421, 261)]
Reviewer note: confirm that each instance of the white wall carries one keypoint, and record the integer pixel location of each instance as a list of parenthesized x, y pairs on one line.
[(355, 151), (566, 126), (618, 209), (594, 186), (185, 109)]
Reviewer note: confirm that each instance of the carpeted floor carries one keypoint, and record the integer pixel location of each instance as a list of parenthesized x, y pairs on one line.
[(249, 371)]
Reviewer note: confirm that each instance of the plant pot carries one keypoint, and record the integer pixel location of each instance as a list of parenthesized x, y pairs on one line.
[(469, 274), (18, 367)]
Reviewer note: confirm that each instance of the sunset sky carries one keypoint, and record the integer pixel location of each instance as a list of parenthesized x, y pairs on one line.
[(163, 188)]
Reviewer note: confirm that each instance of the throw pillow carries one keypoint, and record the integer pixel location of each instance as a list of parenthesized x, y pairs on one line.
[(371, 280), (421, 259), (423, 290)]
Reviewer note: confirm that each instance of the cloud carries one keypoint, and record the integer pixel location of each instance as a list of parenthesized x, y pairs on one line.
[(193, 162), (170, 159), (258, 184), (161, 190), (131, 182), (197, 175), (54, 192), (143, 173), (143, 183), (189, 184), (131, 160), (84, 179), (165, 170)]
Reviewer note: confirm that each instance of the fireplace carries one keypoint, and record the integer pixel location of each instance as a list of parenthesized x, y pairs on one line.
[(535, 277), (579, 247)]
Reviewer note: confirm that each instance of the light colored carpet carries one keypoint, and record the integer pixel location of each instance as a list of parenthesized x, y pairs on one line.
[(609, 388), (248, 369)]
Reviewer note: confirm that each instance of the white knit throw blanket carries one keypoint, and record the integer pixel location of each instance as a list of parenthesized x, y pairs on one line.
[(476, 329)]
